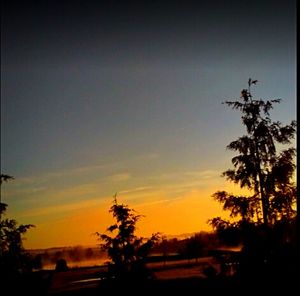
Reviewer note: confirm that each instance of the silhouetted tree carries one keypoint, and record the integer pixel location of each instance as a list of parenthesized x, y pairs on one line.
[(126, 250), (13, 258), (229, 233), (258, 166), (61, 265), (56, 256), (164, 246), (264, 220), (37, 261), (89, 253), (3, 178), (75, 254), (194, 247)]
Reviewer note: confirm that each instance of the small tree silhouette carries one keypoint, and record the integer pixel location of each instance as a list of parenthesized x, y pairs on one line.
[(61, 265), (14, 260), (126, 250), (194, 247)]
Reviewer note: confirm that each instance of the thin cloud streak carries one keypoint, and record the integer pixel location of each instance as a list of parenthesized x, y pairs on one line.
[(118, 177), (166, 190), (168, 182), (162, 201), (80, 171), (63, 174), (134, 190), (205, 174), (66, 208)]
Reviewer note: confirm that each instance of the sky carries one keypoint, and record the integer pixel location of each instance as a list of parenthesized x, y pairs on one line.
[(105, 97)]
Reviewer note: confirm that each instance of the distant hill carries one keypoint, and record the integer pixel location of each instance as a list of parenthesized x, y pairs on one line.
[(181, 236)]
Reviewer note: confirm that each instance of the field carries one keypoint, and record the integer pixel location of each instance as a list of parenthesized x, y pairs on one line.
[(185, 277), (89, 278)]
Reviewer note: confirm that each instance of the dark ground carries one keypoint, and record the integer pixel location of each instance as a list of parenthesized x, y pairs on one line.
[(183, 280)]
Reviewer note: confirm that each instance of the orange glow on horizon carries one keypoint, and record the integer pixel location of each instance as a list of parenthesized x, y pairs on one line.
[(188, 213)]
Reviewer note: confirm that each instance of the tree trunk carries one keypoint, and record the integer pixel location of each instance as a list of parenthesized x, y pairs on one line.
[(263, 197)]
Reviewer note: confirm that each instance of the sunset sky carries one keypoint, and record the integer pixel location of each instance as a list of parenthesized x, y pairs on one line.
[(105, 97)]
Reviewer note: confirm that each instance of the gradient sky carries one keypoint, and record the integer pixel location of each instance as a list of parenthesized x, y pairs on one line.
[(99, 97)]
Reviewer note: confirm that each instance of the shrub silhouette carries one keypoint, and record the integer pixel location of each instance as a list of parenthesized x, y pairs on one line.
[(126, 250), (16, 264), (13, 258), (61, 265)]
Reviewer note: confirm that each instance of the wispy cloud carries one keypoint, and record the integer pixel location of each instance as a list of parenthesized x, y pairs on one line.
[(75, 191), (82, 170), (186, 179), (65, 198), (168, 187), (78, 171), (48, 180), (148, 156), (118, 177), (205, 174), (160, 201), (64, 208), (23, 191), (134, 190)]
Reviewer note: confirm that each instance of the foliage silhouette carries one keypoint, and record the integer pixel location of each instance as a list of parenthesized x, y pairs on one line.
[(127, 251), (259, 167), (265, 220), (194, 247), (5, 178), (14, 259), (15, 263), (61, 265)]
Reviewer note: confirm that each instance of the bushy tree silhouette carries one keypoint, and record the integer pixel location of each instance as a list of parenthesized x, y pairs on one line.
[(194, 247), (126, 250), (264, 220), (14, 260), (259, 167)]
